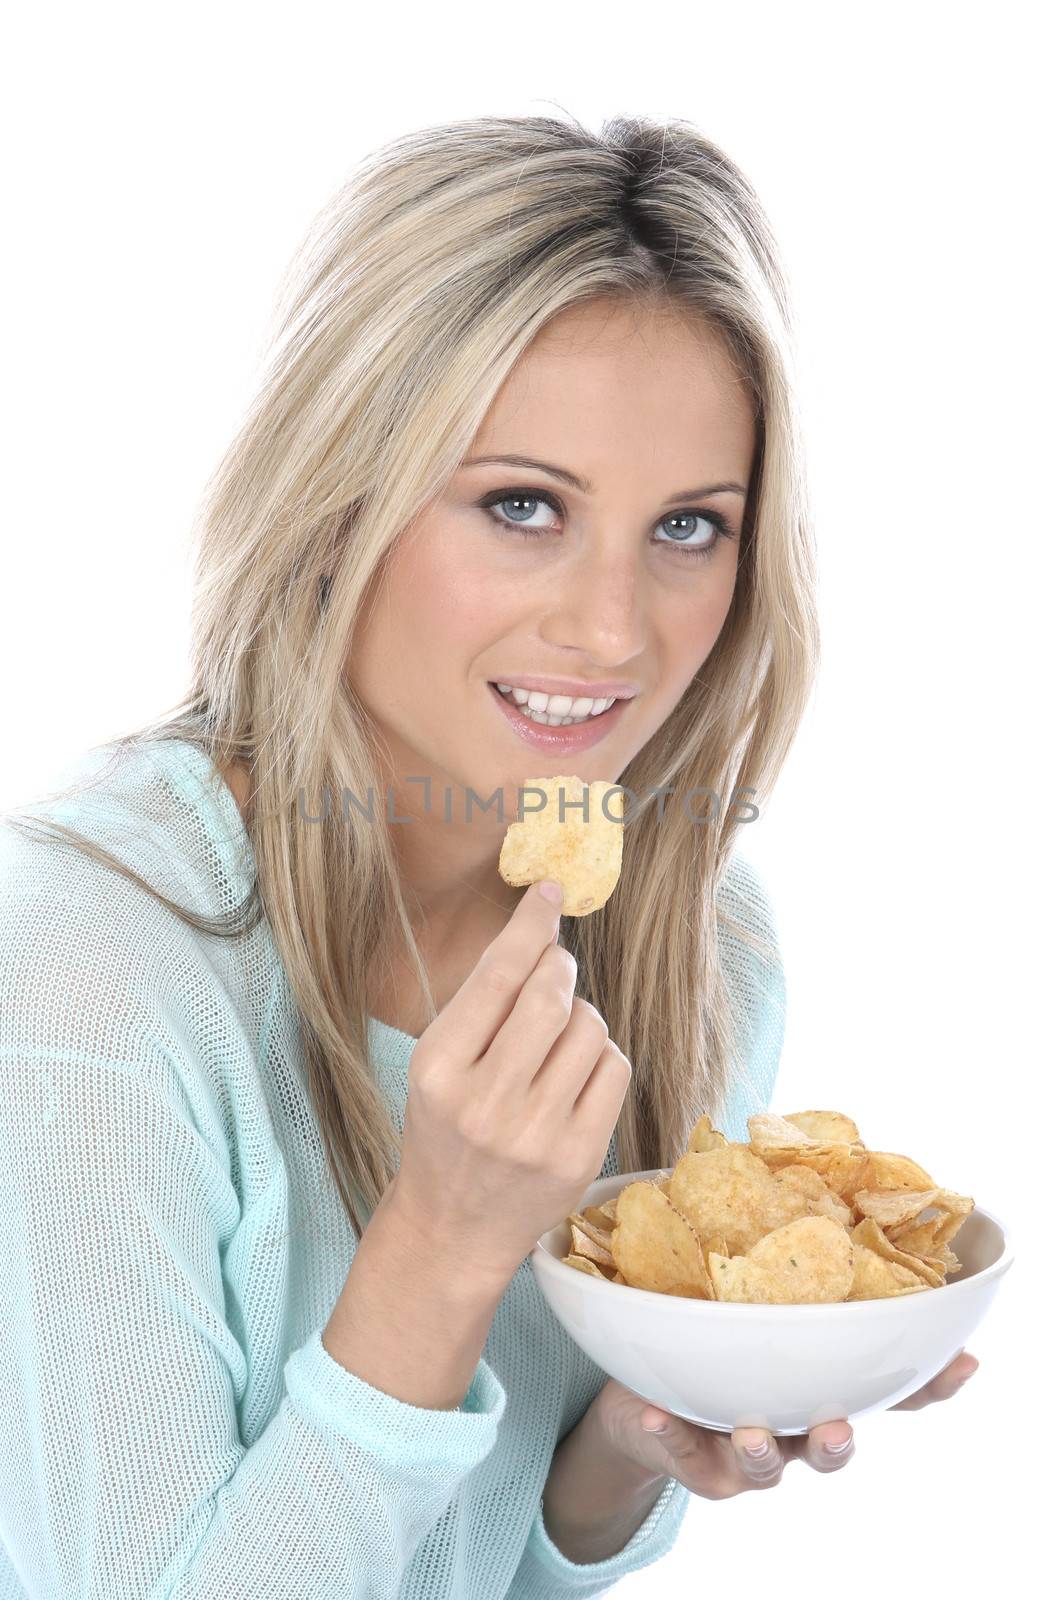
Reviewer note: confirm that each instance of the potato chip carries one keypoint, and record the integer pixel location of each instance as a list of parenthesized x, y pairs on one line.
[(875, 1277), (724, 1191), (896, 1207), (809, 1260), (826, 1125), (584, 1244), (585, 856), (705, 1136), (841, 1166), (868, 1233), (729, 1191), (822, 1200), (715, 1246), (802, 1212), (770, 1132), (954, 1209), (583, 1264), (887, 1171), (780, 1143), (655, 1247), (594, 1217)]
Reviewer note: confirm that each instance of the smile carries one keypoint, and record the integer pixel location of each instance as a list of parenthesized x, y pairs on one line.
[(554, 731), (554, 710)]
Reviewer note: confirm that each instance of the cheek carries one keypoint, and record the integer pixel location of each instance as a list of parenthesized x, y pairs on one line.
[(445, 602), (695, 621), (446, 605)]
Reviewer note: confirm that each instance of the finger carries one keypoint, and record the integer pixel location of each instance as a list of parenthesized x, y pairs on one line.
[(828, 1446), (546, 1010), (606, 1085), (476, 1012), (758, 1458), (573, 1055), (945, 1384)]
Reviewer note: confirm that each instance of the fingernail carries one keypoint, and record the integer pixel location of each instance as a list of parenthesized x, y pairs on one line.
[(838, 1449), (550, 890)]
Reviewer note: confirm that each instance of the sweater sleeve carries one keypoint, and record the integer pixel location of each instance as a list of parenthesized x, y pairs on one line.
[(122, 1467), (545, 1573)]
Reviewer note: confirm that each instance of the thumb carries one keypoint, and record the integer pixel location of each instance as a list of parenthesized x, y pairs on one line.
[(654, 1421)]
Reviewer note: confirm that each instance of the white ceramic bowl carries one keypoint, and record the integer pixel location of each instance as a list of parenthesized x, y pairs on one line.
[(781, 1367)]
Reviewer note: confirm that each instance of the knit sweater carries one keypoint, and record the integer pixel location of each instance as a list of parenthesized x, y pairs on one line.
[(172, 1245)]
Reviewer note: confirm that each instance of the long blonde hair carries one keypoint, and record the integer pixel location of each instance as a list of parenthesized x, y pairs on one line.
[(416, 289)]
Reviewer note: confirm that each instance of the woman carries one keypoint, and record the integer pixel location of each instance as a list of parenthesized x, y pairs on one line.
[(278, 1128)]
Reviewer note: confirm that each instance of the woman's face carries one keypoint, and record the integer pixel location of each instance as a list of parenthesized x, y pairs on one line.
[(514, 574)]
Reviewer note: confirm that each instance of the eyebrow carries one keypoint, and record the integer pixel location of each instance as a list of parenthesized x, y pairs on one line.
[(585, 486)]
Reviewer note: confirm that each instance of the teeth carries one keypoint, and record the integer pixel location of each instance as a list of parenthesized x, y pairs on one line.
[(555, 710)]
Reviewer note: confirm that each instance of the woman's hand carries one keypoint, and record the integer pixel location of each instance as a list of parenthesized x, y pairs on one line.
[(514, 1091), (717, 1465)]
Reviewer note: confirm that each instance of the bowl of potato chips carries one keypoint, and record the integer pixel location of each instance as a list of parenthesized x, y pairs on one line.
[(789, 1281)]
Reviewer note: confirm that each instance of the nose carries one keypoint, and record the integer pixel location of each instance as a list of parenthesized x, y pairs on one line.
[(598, 609)]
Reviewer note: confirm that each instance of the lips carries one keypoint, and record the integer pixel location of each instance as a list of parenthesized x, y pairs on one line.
[(568, 738)]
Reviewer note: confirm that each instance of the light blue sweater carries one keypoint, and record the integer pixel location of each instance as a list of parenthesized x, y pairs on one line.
[(172, 1245)]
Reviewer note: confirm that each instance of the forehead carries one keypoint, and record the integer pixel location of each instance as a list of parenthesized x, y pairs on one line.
[(611, 376)]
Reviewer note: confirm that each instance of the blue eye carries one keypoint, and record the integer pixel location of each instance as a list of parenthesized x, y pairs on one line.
[(717, 522), (521, 499), (517, 498)]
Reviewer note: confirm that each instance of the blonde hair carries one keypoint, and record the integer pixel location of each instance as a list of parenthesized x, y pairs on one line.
[(416, 289)]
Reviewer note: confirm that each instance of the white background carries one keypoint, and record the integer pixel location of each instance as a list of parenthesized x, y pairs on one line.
[(162, 164)]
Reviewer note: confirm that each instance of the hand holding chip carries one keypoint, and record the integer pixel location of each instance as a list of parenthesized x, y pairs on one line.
[(514, 1091)]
